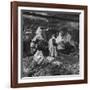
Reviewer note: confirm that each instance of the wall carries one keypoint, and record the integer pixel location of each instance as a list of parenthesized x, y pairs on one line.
[(5, 46)]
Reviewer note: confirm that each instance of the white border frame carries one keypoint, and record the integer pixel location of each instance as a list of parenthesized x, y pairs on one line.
[(52, 78)]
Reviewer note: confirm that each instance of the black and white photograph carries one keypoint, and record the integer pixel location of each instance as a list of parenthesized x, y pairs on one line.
[(49, 43)]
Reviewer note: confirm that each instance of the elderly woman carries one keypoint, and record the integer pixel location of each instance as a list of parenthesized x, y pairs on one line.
[(37, 37)]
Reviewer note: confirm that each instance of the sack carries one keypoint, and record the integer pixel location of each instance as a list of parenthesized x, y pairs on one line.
[(38, 57)]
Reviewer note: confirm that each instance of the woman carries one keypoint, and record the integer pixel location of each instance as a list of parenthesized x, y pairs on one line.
[(52, 46)]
